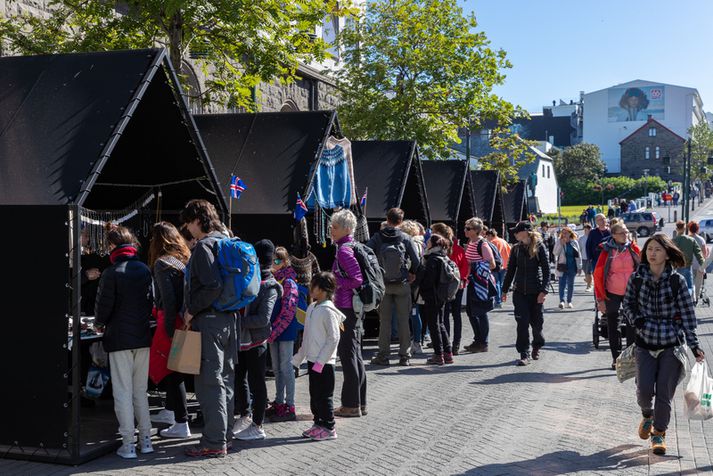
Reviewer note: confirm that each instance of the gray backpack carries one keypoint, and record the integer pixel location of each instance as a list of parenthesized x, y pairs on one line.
[(449, 280), (392, 256)]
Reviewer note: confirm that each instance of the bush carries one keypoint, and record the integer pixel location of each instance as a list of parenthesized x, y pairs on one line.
[(578, 192)]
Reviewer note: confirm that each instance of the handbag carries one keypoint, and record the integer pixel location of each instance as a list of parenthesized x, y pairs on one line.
[(185, 355), (626, 364), (562, 267)]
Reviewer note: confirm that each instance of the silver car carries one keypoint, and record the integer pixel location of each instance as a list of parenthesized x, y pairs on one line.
[(706, 230)]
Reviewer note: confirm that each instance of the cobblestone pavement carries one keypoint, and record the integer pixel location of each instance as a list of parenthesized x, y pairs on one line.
[(564, 414)]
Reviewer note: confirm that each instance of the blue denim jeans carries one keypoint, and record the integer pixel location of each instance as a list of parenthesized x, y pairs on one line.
[(499, 278), (281, 354), (416, 324), (566, 283), (686, 273)]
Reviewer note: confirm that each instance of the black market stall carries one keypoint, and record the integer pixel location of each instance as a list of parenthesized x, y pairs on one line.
[(515, 206), (84, 139), (391, 172), (279, 157), (487, 191), (450, 192)]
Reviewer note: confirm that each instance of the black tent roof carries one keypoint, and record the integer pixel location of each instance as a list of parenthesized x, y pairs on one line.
[(392, 172), (98, 130), (514, 203), (445, 184), (485, 185), (271, 152)]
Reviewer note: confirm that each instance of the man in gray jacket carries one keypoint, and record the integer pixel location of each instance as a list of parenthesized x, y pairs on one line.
[(219, 342)]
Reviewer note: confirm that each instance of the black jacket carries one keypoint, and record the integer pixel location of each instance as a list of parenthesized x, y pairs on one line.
[(527, 275), (429, 276), (124, 303), (204, 283), (168, 275)]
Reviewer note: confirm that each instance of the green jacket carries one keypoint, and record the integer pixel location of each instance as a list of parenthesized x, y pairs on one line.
[(690, 248)]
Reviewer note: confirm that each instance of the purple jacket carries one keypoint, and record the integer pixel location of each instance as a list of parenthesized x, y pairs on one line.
[(348, 274)]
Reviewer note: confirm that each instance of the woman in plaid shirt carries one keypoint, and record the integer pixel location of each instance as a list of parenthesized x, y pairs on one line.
[(661, 320)]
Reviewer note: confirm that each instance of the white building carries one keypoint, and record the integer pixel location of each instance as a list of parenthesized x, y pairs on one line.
[(542, 187), (613, 113)]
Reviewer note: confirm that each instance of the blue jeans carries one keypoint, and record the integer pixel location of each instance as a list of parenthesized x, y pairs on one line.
[(686, 273), (281, 354), (481, 327), (499, 278), (566, 282), (416, 324)]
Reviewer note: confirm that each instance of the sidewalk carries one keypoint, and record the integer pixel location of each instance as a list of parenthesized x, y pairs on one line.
[(564, 414)]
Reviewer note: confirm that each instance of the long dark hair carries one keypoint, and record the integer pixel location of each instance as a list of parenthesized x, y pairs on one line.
[(675, 255), (167, 240)]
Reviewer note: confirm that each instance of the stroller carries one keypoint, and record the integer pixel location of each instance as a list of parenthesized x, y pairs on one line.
[(599, 327), (703, 299)]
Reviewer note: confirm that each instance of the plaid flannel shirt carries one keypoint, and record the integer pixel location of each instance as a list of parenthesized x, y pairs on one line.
[(660, 317)]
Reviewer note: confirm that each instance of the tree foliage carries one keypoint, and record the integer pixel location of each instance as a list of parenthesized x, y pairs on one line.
[(701, 148), (509, 154), (419, 69), (240, 42), (579, 191), (582, 162)]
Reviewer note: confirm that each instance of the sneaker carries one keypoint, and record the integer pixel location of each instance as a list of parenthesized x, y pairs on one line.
[(562, 305), (364, 411), (378, 360), (127, 451), (455, 350), (242, 423), (273, 409), (198, 451), (177, 430), (479, 348), (253, 432), (523, 360), (322, 434), (645, 427), (286, 413), (404, 362), (309, 431), (658, 442), (570, 306), (435, 359), (535, 353), (164, 416), (348, 412), (429, 345), (448, 357), (589, 288), (145, 444), (416, 348), (471, 347)]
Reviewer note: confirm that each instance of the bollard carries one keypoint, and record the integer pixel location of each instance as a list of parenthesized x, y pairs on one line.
[(675, 216)]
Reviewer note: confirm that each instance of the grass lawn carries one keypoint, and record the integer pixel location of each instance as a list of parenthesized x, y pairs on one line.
[(570, 212)]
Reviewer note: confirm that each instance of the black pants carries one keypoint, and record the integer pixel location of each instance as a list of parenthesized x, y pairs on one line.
[(613, 305), (349, 350), (433, 315), (528, 313), (321, 395), (176, 396), (250, 379), (453, 309)]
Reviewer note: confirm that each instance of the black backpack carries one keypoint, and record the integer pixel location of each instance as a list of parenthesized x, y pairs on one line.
[(392, 258), (372, 288), (448, 281)]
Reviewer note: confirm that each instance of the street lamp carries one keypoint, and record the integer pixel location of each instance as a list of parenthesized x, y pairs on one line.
[(646, 188)]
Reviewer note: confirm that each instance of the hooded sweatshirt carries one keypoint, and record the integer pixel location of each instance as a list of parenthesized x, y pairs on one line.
[(321, 335), (284, 324), (255, 326), (347, 271)]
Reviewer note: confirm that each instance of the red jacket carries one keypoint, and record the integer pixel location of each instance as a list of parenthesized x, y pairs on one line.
[(458, 257), (602, 269)]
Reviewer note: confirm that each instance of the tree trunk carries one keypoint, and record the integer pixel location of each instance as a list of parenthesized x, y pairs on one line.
[(175, 38)]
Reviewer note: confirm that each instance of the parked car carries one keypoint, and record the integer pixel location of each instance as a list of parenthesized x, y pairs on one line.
[(643, 223), (706, 230)]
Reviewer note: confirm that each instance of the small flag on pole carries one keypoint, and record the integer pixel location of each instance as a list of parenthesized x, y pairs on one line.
[(300, 208), (363, 199), (237, 186)]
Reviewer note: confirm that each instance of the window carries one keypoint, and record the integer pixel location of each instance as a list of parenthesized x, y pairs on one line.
[(658, 152), (647, 153), (548, 171), (652, 132), (543, 170)]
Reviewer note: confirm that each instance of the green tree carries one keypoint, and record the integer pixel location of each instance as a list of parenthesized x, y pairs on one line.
[(510, 153), (418, 69), (241, 42), (579, 163), (701, 148)]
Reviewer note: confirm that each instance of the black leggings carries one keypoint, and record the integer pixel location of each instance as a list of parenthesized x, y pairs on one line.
[(176, 396), (250, 379), (433, 315), (321, 395)]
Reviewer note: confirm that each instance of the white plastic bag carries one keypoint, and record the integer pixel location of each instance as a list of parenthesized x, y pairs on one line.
[(697, 398), (626, 364)]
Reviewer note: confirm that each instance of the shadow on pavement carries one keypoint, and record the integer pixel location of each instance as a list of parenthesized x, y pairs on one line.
[(561, 462), (572, 348), (544, 377), (424, 369)]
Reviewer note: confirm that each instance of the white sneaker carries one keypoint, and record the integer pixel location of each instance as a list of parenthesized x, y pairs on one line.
[(145, 443), (570, 306), (241, 424), (416, 348), (253, 432), (164, 416), (127, 451), (177, 430), (562, 305), (589, 287)]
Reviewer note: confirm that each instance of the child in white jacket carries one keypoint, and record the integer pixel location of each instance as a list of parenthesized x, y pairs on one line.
[(319, 347)]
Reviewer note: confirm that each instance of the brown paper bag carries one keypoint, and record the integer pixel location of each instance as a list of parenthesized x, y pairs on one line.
[(185, 355)]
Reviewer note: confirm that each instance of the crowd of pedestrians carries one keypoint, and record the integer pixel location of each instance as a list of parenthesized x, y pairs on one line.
[(427, 279)]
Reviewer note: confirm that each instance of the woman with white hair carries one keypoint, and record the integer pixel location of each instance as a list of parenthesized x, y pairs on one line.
[(348, 273)]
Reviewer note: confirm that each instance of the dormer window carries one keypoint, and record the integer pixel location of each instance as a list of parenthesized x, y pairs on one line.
[(652, 132)]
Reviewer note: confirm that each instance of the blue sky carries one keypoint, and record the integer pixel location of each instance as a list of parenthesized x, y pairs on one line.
[(559, 47)]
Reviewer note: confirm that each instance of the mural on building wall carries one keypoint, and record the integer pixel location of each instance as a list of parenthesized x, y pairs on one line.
[(636, 104)]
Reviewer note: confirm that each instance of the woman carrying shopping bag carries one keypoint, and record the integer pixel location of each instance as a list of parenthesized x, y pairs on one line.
[(660, 308)]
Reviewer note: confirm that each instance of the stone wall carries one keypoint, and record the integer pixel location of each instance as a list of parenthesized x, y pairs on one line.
[(633, 153)]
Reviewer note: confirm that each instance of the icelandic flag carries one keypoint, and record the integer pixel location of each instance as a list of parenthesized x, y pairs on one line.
[(300, 209), (363, 198), (237, 186)]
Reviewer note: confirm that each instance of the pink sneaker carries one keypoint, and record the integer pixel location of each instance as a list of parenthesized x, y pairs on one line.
[(323, 434), (310, 431)]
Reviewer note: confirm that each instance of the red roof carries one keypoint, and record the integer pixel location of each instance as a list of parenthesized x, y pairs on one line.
[(650, 122)]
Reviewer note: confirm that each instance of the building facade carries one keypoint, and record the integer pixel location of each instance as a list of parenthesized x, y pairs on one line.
[(655, 150), (614, 113)]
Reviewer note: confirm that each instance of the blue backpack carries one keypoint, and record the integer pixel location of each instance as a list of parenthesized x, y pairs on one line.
[(241, 274)]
